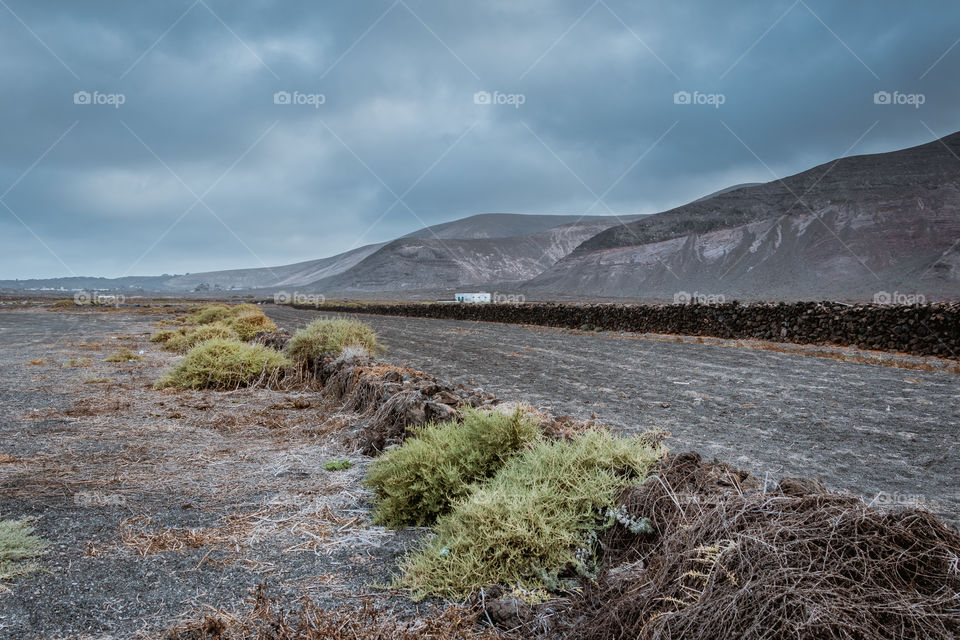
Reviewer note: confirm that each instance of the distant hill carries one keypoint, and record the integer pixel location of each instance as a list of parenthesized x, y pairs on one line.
[(728, 190), (847, 229), (850, 228), (290, 275), (483, 248), (494, 225), (417, 262)]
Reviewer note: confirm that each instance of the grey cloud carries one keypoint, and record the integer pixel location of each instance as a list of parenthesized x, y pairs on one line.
[(399, 100)]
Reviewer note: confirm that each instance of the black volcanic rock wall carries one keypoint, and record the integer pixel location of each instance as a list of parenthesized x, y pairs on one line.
[(929, 329)]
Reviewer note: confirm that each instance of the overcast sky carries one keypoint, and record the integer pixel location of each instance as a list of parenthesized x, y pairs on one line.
[(142, 138)]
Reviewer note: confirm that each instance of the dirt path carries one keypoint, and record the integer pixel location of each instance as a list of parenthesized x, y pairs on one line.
[(886, 433)]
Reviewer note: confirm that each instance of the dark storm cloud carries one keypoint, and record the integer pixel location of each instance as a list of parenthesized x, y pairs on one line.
[(116, 190)]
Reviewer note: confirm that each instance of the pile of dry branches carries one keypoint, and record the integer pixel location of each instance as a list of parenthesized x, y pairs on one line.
[(390, 398), (730, 560)]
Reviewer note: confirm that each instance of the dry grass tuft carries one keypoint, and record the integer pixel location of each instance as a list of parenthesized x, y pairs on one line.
[(208, 313), (330, 337), (185, 339), (124, 355), (249, 323), (226, 364), (267, 620)]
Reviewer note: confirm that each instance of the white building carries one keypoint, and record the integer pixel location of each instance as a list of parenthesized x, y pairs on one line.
[(472, 297)]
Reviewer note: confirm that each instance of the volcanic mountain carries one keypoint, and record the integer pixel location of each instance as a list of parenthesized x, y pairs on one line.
[(852, 228)]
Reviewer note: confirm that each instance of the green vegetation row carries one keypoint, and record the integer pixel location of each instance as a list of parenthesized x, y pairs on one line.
[(519, 509), (509, 505), (215, 340)]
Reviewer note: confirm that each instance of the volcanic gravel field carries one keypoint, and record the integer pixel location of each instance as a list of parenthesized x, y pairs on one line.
[(159, 506), (886, 433)]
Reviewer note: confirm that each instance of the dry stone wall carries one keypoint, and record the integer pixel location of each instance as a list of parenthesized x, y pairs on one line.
[(928, 329)]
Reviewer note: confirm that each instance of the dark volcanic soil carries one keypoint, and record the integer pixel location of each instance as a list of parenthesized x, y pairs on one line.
[(886, 433), (157, 505)]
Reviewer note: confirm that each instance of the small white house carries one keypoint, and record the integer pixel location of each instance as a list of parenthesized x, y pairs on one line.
[(472, 297)]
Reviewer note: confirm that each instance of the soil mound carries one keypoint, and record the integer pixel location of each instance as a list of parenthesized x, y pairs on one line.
[(392, 398)]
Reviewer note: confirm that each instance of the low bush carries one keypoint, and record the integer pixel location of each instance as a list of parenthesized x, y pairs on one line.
[(537, 517), (249, 323), (17, 545), (124, 355), (243, 321), (165, 335), (185, 339), (208, 314), (331, 336), (419, 482), (225, 364), (245, 307)]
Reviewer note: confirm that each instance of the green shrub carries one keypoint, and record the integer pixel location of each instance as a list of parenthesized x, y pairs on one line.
[(124, 355), (248, 324), (243, 321), (165, 335), (245, 307), (420, 481), (17, 543), (535, 518), (225, 364), (187, 338), (208, 314), (331, 336)]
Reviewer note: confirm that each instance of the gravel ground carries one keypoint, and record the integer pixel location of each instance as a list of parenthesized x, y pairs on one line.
[(886, 433), (158, 505), (230, 485)]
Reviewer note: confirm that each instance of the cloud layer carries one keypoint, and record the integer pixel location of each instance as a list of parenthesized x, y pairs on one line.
[(406, 113)]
